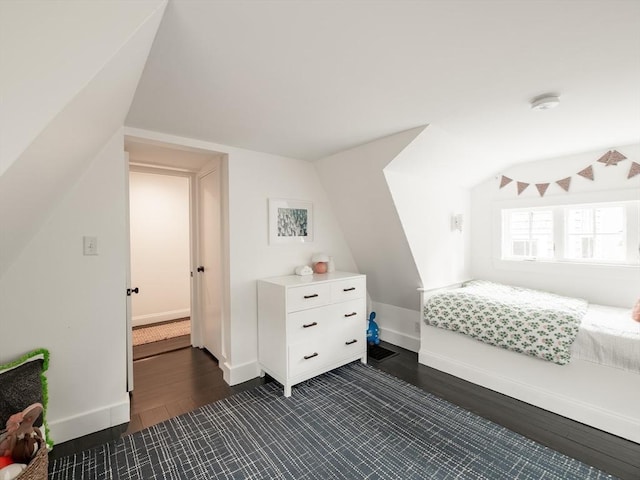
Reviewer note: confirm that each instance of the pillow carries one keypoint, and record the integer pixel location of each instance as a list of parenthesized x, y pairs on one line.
[(22, 382)]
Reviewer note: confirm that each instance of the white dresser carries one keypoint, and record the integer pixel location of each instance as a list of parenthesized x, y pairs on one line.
[(308, 325)]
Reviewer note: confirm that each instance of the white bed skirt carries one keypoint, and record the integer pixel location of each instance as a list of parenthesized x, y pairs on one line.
[(603, 397)]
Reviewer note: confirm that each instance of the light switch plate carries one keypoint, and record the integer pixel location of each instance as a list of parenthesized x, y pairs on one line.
[(90, 245)]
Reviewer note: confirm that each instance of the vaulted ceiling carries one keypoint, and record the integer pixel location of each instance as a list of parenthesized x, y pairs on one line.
[(308, 79)]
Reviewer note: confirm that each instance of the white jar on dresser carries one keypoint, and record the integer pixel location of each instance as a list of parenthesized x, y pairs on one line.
[(308, 325)]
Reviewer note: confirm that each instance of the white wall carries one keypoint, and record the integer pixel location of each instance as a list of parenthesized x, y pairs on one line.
[(49, 52), (608, 285), (427, 190), (160, 261), (251, 179), (54, 140), (54, 297), (357, 187), (394, 198)]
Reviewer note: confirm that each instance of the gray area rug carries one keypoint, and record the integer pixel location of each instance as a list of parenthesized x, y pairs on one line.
[(355, 422)]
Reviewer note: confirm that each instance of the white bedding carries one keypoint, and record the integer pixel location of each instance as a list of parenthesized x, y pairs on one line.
[(608, 336)]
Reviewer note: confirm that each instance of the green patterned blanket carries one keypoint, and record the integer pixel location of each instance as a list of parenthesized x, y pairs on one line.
[(527, 321)]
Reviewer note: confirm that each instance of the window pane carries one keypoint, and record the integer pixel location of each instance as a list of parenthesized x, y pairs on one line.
[(542, 234), (580, 220), (595, 233), (528, 233), (609, 220), (609, 247)]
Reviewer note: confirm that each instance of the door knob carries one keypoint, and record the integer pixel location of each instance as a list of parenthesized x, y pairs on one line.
[(200, 269), (132, 290)]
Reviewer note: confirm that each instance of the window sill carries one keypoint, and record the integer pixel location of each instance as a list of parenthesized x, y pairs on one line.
[(569, 268)]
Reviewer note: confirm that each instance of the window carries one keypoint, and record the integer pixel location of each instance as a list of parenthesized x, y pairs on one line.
[(528, 234), (592, 233), (595, 233)]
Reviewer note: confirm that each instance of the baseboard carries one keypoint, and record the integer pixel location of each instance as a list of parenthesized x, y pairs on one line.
[(65, 429), (398, 325), (236, 374), (160, 317), (400, 339)]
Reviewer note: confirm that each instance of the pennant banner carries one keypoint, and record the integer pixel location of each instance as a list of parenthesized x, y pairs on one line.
[(505, 181), (612, 157), (615, 157), (605, 158), (542, 188), (587, 172), (522, 187), (564, 183)]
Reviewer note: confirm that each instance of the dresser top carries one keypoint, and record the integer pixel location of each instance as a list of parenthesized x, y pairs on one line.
[(295, 280)]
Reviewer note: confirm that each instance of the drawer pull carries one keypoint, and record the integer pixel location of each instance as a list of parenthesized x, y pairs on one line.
[(307, 357), (351, 289), (351, 342), (311, 296), (310, 325), (350, 314)]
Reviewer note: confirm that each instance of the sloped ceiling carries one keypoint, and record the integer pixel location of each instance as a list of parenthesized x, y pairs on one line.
[(309, 79), (51, 147)]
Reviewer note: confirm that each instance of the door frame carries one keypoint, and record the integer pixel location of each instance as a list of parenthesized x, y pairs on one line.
[(129, 323), (222, 160)]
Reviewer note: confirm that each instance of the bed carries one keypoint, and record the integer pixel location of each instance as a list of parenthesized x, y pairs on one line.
[(598, 385)]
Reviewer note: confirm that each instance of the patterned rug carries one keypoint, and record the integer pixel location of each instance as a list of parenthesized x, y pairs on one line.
[(355, 422), (163, 331)]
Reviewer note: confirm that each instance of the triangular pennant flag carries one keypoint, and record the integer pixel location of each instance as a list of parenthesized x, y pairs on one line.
[(615, 157), (634, 170), (564, 183), (505, 181), (542, 188), (587, 172), (605, 158), (522, 187)]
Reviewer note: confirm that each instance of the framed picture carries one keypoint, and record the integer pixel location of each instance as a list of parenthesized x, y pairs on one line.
[(290, 221)]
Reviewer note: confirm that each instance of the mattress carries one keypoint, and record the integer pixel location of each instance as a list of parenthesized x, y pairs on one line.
[(608, 336), (526, 321)]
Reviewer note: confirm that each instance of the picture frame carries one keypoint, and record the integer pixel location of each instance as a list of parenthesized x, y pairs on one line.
[(290, 221)]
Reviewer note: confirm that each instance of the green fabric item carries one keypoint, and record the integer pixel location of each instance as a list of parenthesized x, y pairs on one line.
[(23, 382)]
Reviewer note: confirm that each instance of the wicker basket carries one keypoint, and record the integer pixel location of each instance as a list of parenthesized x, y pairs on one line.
[(38, 468)]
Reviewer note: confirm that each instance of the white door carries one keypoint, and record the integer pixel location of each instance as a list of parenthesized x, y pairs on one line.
[(209, 270)]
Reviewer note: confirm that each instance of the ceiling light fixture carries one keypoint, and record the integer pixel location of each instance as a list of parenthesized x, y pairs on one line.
[(545, 102)]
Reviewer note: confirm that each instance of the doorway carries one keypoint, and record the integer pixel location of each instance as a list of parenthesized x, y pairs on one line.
[(200, 175), (160, 245)]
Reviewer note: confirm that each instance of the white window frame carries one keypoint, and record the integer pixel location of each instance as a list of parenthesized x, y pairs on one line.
[(558, 204)]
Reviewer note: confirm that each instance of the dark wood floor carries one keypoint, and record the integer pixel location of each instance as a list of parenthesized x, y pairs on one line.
[(179, 381)]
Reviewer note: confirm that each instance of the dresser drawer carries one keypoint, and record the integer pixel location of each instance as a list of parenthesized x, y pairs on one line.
[(348, 313), (304, 357), (308, 296), (307, 325), (347, 343), (352, 288)]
